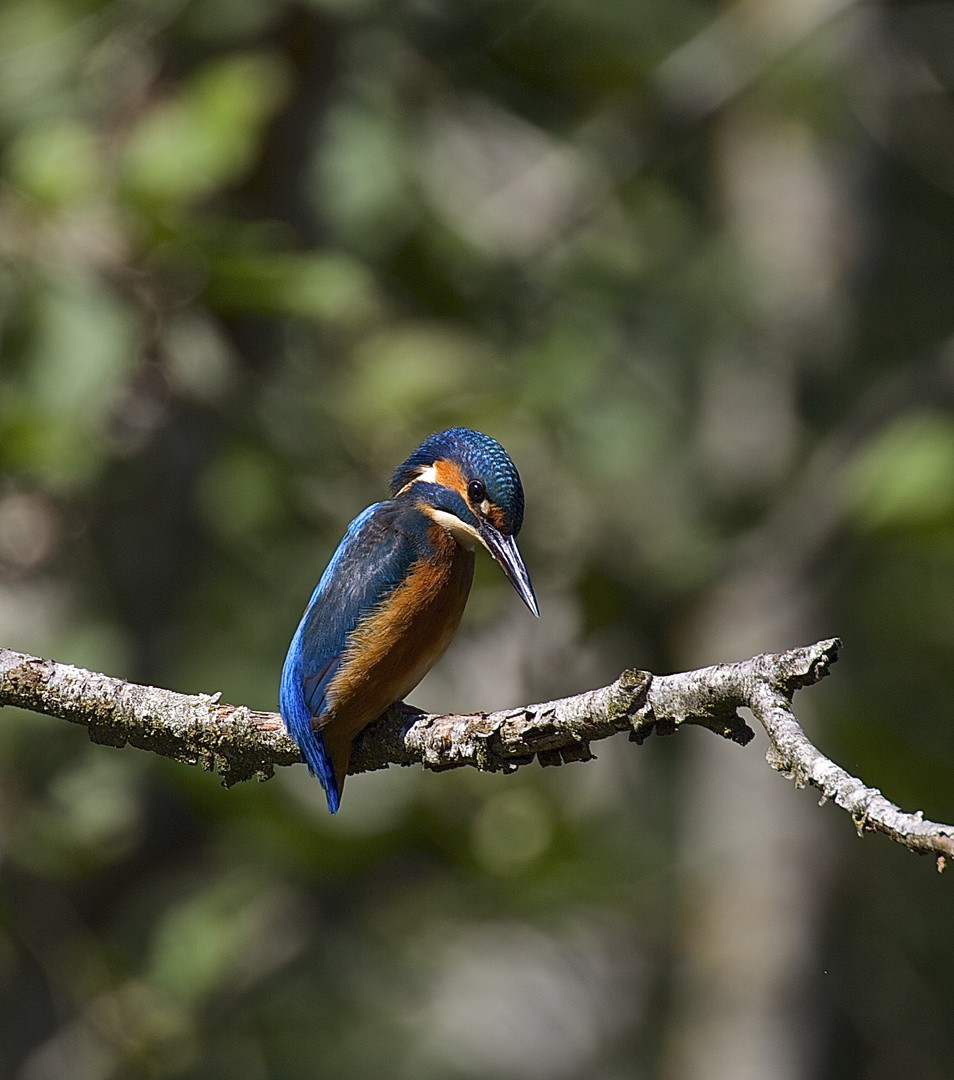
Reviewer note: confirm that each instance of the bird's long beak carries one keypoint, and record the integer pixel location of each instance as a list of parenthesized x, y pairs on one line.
[(504, 550)]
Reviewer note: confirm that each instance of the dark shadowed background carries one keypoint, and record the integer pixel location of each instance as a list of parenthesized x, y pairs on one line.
[(693, 265)]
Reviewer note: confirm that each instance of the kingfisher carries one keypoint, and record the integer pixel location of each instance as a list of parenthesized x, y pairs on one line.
[(392, 596)]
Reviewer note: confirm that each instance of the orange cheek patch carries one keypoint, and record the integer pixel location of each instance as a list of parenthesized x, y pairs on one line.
[(495, 516), (449, 475)]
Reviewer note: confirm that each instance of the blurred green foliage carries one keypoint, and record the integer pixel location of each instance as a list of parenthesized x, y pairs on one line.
[(692, 267)]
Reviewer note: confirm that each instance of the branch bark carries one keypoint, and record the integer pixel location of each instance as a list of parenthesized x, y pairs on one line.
[(241, 743)]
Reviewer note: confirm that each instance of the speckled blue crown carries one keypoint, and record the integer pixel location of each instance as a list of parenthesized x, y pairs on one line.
[(479, 457)]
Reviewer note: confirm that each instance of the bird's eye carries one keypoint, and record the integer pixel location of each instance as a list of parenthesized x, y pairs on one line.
[(476, 491)]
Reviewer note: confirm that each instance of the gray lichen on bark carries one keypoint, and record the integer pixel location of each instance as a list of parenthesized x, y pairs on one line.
[(240, 743)]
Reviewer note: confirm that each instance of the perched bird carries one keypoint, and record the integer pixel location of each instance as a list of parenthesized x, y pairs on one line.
[(391, 598)]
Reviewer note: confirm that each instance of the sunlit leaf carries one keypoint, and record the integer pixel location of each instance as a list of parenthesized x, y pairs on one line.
[(205, 136), (58, 162), (323, 286), (905, 476)]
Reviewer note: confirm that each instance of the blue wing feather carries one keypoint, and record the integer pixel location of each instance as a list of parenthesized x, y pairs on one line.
[(372, 558)]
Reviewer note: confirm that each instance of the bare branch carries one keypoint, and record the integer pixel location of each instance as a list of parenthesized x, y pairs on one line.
[(241, 743), (192, 728)]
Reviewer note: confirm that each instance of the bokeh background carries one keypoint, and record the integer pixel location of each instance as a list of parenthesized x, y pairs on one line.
[(693, 265)]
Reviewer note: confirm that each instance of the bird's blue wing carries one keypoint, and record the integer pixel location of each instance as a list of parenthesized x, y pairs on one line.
[(372, 558)]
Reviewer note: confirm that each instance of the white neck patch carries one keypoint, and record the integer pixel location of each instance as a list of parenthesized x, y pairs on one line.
[(428, 475), (465, 535)]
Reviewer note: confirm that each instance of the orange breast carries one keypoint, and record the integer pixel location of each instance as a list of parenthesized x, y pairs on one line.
[(396, 646)]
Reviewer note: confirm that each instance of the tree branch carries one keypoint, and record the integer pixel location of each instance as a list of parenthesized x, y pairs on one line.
[(240, 743)]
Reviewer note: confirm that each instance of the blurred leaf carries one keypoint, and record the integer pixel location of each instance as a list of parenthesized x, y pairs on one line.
[(905, 476), (344, 7), (200, 359), (364, 183), (513, 829), (58, 162), (238, 494), (82, 348), (91, 817), (229, 20), (413, 376), (205, 137), (41, 42), (206, 943), (327, 286)]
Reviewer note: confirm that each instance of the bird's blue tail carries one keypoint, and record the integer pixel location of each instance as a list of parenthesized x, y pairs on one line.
[(297, 718)]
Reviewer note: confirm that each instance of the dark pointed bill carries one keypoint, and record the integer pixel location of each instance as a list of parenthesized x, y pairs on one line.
[(504, 550)]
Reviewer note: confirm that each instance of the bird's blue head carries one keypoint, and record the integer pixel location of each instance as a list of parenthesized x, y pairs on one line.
[(466, 482)]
